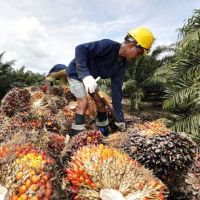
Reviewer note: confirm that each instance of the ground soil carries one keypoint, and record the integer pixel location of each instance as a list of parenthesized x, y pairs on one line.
[(150, 111)]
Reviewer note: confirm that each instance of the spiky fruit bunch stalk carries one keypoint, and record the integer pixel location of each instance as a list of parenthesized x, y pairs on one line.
[(159, 149), (99, 167), (84, 138), (29, 175), (17, 100), (152, 128)]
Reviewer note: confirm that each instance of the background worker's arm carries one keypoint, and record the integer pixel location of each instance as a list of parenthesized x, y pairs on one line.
[(116, 86), (58, 75)]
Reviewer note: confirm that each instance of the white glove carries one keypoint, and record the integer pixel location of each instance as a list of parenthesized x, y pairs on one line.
[(3, 192), (111, 194), (90, 84)]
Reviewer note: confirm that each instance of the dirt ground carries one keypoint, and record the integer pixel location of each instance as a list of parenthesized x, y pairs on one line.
[(150, 111)]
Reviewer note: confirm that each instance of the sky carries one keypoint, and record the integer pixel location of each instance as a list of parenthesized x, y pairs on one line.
[(38, 34)]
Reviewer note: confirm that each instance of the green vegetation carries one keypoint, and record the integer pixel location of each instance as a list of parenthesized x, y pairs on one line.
[(172, 76), (9, 77)]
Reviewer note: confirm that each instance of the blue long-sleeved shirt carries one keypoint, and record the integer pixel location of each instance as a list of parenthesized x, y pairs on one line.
[(101, 58)]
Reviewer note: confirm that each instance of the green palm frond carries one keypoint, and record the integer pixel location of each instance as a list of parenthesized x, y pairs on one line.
[(159, 77), (191, 30), (182, 99), (159, 50), (129, 86), (186, 123), (137, 99)]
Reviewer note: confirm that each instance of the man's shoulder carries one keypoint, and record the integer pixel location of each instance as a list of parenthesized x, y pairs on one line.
[(108, 41)]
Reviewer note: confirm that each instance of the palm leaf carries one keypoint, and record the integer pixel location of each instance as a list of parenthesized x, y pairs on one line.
[(184, 123)]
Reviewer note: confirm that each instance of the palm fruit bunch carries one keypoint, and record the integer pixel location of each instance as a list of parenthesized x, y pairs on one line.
[(56, 91), (116, 140), (84, 138), (152, 144), (52, 124), (28, 176), (33, 89), (64, 119), (4, 127), (96, 168), (56, 144), (193, 180), (56, 103), (3, 150), (67, 94), (17, 100), (187, 186), (22, 122), (131, 120), (91, 111), (25, 121)]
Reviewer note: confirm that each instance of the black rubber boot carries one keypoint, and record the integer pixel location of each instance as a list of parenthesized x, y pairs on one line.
[(74, 132), (102, 123), (78, 125), (104, 130)]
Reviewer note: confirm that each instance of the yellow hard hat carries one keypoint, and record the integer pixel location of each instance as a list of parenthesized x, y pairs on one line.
[(143, 36)]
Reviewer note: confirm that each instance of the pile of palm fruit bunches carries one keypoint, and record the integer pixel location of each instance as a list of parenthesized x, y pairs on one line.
[(39, 161)]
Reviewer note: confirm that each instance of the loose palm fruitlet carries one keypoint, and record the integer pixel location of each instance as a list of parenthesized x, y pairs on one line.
[(98, 167), (159, 149), (28, 176)]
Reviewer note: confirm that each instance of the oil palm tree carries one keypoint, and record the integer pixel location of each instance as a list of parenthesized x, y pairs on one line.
[(5, 75), (183, 85), (183, 90), (141, 78)]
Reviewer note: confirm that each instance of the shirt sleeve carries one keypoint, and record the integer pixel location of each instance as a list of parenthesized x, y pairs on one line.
[(116, 87), (84, 51)]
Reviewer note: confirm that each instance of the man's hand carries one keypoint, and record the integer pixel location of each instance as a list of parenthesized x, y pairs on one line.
[(121, 126), (90, 84)]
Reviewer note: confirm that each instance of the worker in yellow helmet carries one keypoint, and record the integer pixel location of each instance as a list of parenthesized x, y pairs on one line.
[(106, 59), (142, 36)]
